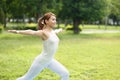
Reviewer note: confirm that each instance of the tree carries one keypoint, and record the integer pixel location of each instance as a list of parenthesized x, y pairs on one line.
[(115, 11), (3, 12), (82, 10), (1, 16), (32, 8), (16, 9), (19, 9)]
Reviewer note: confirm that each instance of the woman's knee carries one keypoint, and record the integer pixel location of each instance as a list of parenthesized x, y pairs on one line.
[(66, 73)]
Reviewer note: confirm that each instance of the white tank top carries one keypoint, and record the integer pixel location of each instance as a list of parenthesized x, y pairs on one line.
[(50, 46)]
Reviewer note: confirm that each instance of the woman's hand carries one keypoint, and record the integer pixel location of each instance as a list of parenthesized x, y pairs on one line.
[(59, 30), (12, 31)]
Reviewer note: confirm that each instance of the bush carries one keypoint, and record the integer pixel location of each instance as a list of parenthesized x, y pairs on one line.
[(1, 29), (70, 27), (31, 26), (23, 28)]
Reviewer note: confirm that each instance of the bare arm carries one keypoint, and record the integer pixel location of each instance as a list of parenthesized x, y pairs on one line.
[(58, 30), (27, 32)]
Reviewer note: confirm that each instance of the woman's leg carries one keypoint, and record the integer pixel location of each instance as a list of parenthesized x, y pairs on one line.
[(59, 69), (36, 67)]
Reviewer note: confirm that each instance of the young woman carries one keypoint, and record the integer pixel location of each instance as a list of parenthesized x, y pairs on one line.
[(50, 45)]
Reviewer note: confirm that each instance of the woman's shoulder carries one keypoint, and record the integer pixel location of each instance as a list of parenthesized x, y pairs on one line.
[(45, 33)]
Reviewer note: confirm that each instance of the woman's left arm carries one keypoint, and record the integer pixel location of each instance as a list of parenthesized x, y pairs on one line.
[(58, 30), (27, 32)]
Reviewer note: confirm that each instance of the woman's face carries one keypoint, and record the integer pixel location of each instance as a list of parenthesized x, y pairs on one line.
[(51, 22)]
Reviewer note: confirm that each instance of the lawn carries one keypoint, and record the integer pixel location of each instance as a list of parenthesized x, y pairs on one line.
[(86, 56)]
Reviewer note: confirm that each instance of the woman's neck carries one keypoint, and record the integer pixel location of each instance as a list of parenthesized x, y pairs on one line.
[(47, 28)]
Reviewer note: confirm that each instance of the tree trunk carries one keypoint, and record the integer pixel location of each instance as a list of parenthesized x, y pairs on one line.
[(76, 23), (37, 15), (58, 22), (117, 22), (5, 20), (3, 17), (23, 18), (106, 23), (99, 26)]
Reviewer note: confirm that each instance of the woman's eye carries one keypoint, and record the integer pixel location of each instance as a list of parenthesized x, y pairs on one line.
[(53, 19)]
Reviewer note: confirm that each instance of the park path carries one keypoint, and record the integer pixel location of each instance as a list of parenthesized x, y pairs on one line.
[(91, 31)]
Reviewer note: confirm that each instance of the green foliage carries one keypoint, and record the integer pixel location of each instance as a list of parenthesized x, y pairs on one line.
[(2, 17), (115, 10), (22, 26), (77, 10), (84, 10), (29, 8), (81, 10), (1, 28), (70, 27)]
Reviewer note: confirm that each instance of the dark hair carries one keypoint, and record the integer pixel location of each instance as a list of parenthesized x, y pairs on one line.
[(41, 21)]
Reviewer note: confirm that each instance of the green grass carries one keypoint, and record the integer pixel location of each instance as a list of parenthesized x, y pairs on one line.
[(100, 27), (97, 27), (108, 27), (86, 56)]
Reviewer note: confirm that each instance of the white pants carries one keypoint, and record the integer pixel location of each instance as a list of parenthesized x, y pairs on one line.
[(38, 65)]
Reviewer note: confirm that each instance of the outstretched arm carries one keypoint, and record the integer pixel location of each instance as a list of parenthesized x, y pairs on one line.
[(27, 32), (58, 30)]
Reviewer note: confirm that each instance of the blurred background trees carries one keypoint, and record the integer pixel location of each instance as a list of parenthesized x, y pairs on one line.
[(115, 12), (77, 11), (84, 11)]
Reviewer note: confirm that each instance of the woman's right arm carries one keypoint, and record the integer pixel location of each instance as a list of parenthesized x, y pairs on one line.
[(27, 32)]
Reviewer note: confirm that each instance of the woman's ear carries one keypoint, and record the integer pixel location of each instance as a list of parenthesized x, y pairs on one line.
[(46, 21)]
